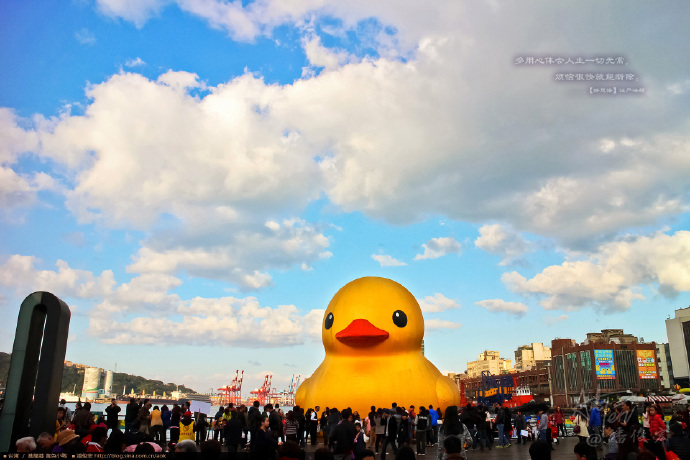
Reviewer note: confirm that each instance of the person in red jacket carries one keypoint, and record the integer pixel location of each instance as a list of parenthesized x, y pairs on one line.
[(99, 436), (559, 417), (657, 429)]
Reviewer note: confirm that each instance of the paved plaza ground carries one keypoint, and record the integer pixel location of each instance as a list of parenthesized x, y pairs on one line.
[(562, 451)]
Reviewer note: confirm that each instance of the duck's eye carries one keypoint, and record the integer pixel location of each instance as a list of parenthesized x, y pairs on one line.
[(329, 321), (400, 318)]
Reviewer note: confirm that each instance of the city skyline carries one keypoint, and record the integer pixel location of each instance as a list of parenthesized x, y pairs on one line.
[(197, 179)]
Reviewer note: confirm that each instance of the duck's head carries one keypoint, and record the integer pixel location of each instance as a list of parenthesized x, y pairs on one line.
[(372, 316)]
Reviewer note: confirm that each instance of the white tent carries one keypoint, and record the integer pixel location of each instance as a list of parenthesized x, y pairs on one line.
[(634, 399)]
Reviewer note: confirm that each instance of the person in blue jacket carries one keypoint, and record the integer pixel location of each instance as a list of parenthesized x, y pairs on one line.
[(594, 426), (433, 415)]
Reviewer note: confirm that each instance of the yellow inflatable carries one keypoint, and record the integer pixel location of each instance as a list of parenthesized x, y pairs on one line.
[(372, 332)]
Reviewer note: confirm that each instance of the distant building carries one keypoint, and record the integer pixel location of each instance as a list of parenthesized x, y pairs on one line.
[(610, 335), (678, 332), (457, 378), (108, 387), (527, 356), (663, 355), (606, 362), (489, 361), (92, 382)]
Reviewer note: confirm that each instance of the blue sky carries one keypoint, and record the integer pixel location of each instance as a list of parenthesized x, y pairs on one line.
[(197, 178)]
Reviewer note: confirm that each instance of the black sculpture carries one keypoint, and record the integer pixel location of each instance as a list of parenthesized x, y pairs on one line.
[(35, 378)]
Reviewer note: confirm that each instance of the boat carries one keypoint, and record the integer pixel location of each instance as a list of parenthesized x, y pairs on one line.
[(522, 395), (70, 397)]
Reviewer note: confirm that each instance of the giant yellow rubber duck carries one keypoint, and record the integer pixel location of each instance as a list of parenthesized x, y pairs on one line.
[(372, 333)]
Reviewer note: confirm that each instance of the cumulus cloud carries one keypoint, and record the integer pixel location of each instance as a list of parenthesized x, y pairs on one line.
[(499, 305), (137, 12), (497, 239), (387, 261), (227, 320), (145, 310), (397, 139), (439, 247), (437, 303), (134, 62), (161, 150), (18, 190), (610, 278), (19, 272), (246, 22), (321, 57), (240, 256)]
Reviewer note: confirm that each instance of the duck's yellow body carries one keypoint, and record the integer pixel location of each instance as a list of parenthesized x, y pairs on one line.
[(372, 334)]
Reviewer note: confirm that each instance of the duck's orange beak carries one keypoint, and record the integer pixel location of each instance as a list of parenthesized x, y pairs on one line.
[(361, 333)]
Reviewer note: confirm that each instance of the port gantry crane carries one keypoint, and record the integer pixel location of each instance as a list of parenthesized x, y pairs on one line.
[(288, 396), (232, 393), (264, 394)]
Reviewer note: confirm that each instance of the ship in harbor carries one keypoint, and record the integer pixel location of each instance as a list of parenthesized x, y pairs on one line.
[(522, 395), (501, 389)]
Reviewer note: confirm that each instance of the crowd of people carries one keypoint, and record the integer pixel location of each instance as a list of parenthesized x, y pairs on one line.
[(269, 431)]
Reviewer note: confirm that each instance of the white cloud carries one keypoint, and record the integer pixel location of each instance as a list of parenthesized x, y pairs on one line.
[(19, 273), (499, 305), (134, 62), (227, 321), (497, 239), (247, 22), (85, 37), (320, 56), (387, 261), (138, 11), (399, 140), (434, 323), (439, 247), (610, 278), (238, 255), (160, 150), (437, 303), (145, 311), (18, 190), (551, 320), (14, 140)]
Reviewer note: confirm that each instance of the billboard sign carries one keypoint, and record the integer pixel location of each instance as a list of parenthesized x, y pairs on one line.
[(646, 364), (603, 361)]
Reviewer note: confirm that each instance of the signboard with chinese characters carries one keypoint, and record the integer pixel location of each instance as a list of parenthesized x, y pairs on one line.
[(603, 361), (646, 364)]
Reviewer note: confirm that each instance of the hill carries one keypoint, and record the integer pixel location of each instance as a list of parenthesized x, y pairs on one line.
[(73, 380)]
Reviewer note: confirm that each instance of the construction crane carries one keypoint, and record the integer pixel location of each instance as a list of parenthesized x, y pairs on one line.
[(287, 397), (264, 393), (232, 394)]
